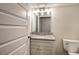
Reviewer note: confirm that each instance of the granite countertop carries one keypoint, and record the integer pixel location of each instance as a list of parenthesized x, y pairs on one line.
[(37, 36)]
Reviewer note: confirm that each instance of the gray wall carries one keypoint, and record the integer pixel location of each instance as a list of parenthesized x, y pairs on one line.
[(13, 29), (65, 24)]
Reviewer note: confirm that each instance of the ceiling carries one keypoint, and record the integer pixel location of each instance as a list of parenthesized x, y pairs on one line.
[(40, 5)]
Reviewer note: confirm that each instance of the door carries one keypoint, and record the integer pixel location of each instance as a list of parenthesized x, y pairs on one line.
[(13, 29)]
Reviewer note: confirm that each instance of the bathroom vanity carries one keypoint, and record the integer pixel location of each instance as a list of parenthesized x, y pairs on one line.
[(42, 44)]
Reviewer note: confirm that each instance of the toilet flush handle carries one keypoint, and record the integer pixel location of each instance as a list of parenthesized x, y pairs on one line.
[(67, 43)]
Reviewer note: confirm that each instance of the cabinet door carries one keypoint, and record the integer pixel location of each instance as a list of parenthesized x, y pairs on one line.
[(40, 47)]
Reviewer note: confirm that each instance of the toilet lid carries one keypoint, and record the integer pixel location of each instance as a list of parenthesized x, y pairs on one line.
[(73, 53)]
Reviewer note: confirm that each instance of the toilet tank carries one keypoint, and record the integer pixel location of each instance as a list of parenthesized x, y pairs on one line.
[(71, 45)]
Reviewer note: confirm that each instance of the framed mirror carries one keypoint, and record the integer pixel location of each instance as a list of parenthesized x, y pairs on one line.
[(41, 21)]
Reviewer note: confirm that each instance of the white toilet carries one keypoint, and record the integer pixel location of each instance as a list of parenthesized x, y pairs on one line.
[(71, 46)]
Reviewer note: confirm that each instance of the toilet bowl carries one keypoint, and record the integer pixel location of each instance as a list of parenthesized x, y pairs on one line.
[(71, 46)]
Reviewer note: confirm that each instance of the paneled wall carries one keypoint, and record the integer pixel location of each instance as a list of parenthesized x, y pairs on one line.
[(13, 29)]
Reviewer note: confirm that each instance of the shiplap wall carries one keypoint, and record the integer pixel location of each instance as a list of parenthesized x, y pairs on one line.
[(13, 29)]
